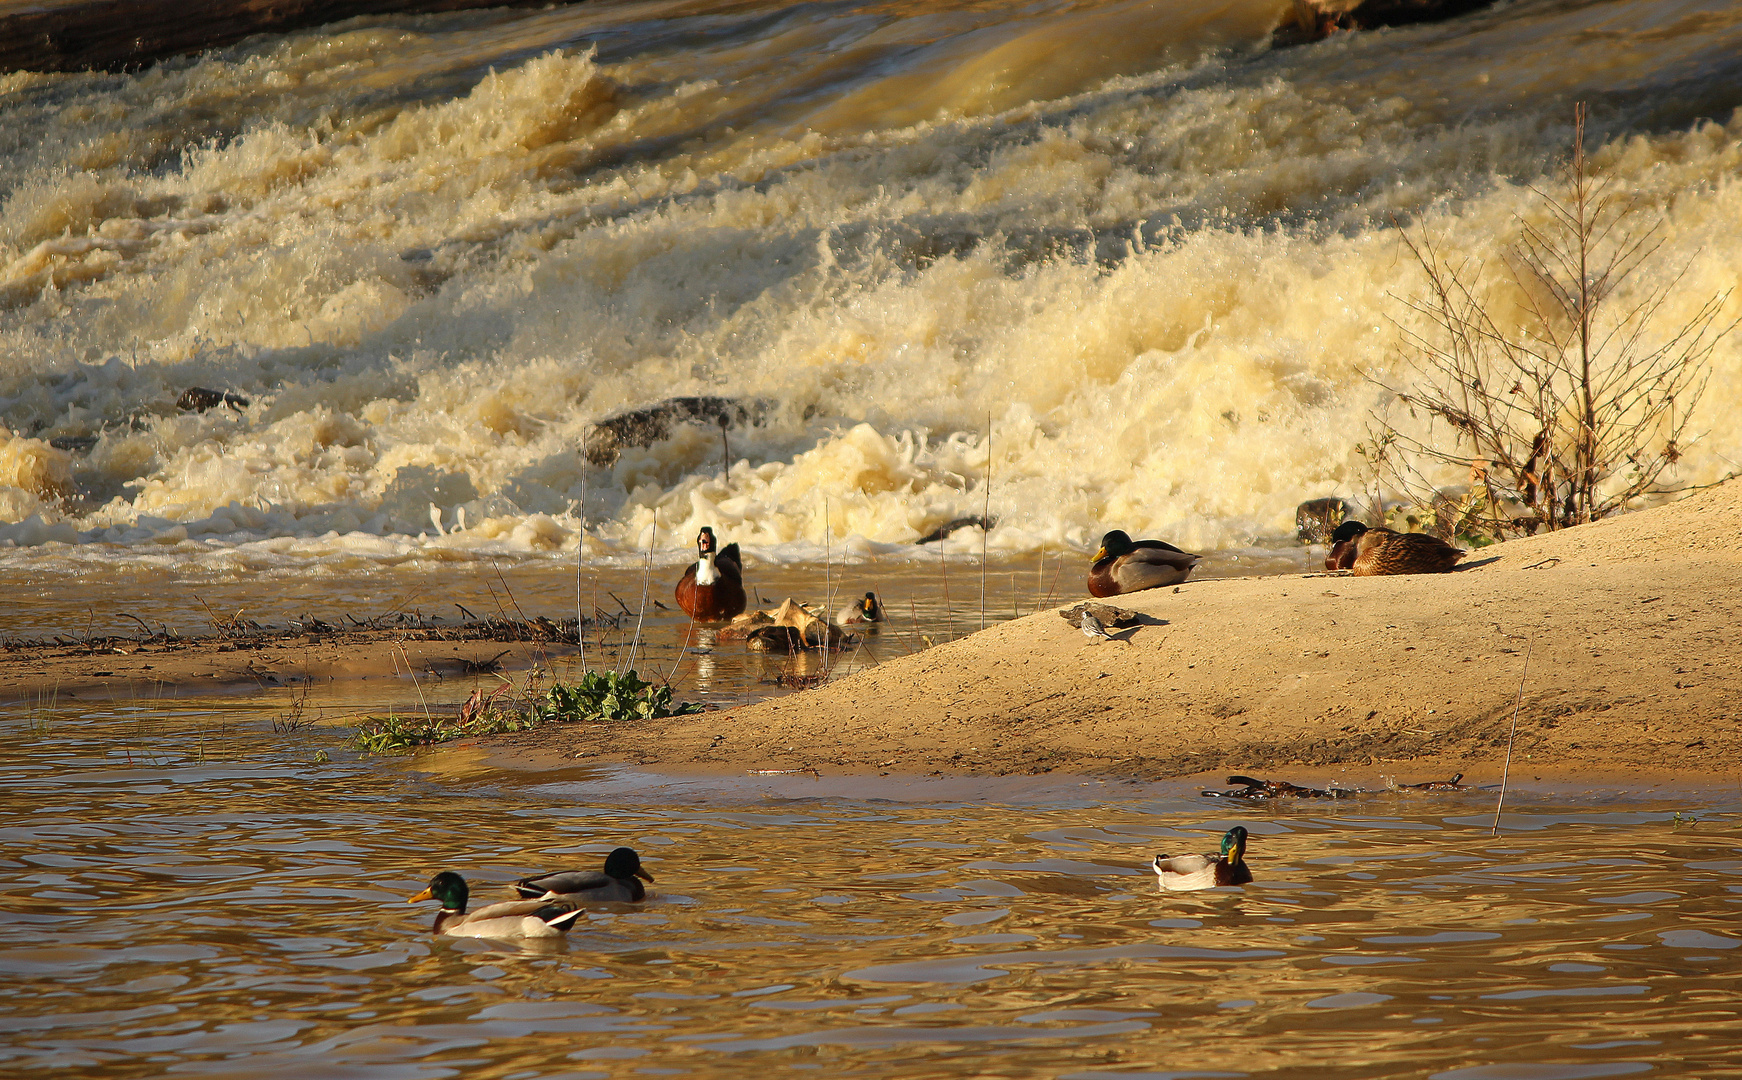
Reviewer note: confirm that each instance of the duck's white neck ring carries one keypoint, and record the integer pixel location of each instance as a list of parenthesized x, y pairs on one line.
[(706, 574)]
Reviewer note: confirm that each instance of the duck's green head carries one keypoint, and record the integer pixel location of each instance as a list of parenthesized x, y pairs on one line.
[(870, 608), (1234, 845), (625, 863), (1348, 530), (1115, 544), (448, 887)]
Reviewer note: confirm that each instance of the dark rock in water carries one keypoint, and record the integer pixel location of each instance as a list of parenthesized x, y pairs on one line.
[(986, 523), (114, 35), (646, 426), (74, 444), (1273, 789), (1317, 519), (777, 639), (1315, 20), (199, 399)]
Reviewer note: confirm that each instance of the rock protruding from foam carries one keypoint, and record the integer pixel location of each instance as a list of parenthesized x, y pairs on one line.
[(650, 424)]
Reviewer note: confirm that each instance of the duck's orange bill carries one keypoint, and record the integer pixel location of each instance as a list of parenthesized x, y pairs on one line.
[(1100, 553), (424, 895)]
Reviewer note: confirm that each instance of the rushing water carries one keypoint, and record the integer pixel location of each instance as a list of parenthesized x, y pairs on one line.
[(186, 893), (1146, 253)]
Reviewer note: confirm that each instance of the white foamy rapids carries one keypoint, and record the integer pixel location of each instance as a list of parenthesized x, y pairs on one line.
[(978, 262)]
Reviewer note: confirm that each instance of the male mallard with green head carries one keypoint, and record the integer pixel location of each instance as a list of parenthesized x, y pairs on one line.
[(1123, 565), (1369, 552), (511, 919), (1185, 873)]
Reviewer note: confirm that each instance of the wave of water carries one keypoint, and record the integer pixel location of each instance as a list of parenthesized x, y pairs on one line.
[(1150, 256)]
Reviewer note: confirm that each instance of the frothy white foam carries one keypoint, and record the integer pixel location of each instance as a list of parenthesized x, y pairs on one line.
[(1159, 287)]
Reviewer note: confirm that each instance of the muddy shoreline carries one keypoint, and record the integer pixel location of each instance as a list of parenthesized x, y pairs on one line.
[(1630, 628)]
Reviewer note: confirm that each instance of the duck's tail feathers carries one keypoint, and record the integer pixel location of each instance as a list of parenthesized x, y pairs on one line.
[(729, 556), (557, 916)]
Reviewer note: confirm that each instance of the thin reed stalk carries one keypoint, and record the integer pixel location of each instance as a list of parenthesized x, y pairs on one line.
[(949, 613), (1055, 581), (684, 648), (1506, 770), (581, 559), (641, 614), (985, 519)]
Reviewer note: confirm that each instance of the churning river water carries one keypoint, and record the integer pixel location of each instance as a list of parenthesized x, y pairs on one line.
[(186, 892), (1093, 263)]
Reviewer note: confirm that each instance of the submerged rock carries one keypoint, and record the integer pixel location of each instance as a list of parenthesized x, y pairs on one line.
[(646, 426), (1316, 519), (199, 399), (948, 527)]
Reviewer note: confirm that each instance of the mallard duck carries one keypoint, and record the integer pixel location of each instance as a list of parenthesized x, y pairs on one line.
[(712, 589), (866, 610), (1123, 566), (1184, 873), (615, 883), (1374, 551), (510, 919)]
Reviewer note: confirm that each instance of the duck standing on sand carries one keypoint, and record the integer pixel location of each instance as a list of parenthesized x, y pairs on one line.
[(511, 919), (1370, 552), (712, 589), (616, 883), (1123, 566), (1186, 873)]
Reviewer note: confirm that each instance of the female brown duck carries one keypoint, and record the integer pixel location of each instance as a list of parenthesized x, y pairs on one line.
[(1371, 552), (1123, 566), (712, 589)]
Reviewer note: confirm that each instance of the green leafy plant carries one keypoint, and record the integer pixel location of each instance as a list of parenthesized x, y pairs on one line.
[(608, 695)]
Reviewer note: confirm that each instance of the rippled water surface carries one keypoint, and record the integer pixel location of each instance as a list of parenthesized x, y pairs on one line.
[(187, 893)]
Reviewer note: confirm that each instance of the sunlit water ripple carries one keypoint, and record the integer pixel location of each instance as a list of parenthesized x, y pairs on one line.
[(185, 893)]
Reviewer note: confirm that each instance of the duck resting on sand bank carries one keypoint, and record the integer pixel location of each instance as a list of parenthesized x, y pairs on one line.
[(1371, 552), (1123, 565)]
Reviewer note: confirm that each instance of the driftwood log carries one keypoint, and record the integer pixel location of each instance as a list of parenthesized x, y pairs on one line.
[(116, 35)]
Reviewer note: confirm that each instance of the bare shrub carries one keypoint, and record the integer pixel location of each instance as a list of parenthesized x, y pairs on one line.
[(1570, 411)]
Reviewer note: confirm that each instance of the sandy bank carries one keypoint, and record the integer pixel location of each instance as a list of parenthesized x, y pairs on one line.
[(1631, 626)]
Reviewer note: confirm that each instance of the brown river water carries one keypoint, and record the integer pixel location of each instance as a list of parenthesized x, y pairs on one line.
[(1079, 264), (186, 892)]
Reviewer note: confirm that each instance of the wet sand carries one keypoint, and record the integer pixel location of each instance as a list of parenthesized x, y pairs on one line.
[(1630, 627)]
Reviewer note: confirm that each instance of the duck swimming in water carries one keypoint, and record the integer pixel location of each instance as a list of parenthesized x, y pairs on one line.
[(1371, 552), (1123, 565), (1186, 873), (511, 919), (617, 882), (712, 589), (868, 609)]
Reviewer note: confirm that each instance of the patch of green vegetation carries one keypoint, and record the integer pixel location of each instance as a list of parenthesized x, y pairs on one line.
[(394, 734), (606, 695), (599, 696)]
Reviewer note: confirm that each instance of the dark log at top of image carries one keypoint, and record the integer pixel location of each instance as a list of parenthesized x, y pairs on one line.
[(78, 35), (1315, 20)]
